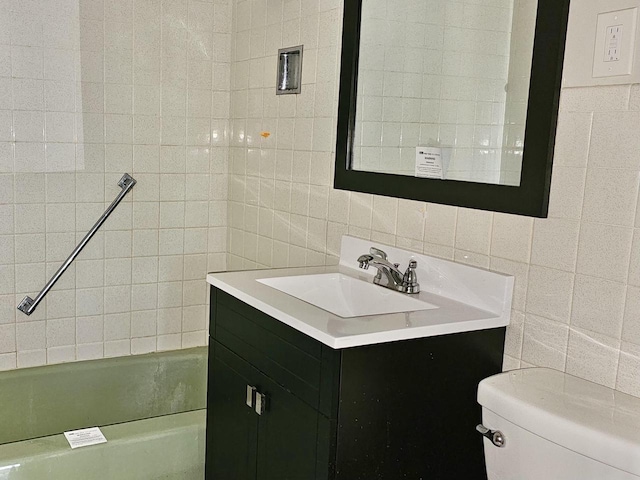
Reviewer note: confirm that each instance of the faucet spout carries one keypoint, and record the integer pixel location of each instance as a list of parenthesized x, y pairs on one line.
[(363, 261), (388, 269)]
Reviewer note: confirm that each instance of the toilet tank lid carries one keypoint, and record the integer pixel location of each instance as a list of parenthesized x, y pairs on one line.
[(590, 419)]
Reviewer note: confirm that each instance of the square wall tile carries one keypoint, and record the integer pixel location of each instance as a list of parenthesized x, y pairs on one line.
[(117, 348), (90, 351), (595, 99), (26, 62), (611, 196), (614, 140), (144, 297), (117, 299), (194, 339), (143, 345), (631, 321), (61, 354), (7, 338), (545, 343), (604, 251), (634, 264), (31, 335), (634, 100), (593, 357), (117, 326), (360, 210), (8, 361), (549, 293), (555, 243), (89, 301), (598, 305), (28, 126), (61, 332), (567, 192), (30, 277), (473, 230), (28, 94), (514, 335), (31, 358), (411, 219), (60, 304), (511, 237), (628, 367), (89, 330), (30, 248), (143, 323), (117, 271)]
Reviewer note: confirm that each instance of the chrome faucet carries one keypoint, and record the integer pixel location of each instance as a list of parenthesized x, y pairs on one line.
[(388, 274)]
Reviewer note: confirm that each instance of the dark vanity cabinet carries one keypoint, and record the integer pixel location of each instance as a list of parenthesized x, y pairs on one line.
[(282, 405)]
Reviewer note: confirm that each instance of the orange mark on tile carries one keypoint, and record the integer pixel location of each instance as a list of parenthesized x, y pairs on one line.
[(265, 134)]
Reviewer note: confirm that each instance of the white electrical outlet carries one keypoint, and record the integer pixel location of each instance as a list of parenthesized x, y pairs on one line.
[(612, 43), (614, 47)]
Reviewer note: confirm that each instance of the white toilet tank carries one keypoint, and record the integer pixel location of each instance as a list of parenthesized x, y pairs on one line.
[(559, 427)]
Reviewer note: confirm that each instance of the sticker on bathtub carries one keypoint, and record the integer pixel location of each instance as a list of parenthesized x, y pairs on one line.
[(85, 437)]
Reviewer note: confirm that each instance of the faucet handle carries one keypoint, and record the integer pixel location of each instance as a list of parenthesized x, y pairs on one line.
[(410, 278), (378, 253)]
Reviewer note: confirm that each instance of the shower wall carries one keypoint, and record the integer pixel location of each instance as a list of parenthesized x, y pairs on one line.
[(90, 89)]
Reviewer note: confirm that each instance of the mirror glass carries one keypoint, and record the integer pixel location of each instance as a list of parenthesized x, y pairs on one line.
[(442, 88)]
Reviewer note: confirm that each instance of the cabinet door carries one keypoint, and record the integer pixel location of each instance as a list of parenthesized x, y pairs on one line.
[(232, 426), (287, 436)]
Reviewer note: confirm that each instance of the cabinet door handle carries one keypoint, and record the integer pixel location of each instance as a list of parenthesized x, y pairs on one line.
[(251, 391), (260, 403)]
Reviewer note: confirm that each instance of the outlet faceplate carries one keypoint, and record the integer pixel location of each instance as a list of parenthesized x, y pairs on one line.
[(614, 49)]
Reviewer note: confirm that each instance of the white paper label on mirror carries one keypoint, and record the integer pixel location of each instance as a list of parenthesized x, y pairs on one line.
[(429, 162)]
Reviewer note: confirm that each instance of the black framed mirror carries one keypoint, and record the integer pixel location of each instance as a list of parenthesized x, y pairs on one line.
[(384, 77)]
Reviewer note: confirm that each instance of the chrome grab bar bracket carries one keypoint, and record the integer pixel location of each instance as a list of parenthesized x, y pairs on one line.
[(125, 181), (28, 304)]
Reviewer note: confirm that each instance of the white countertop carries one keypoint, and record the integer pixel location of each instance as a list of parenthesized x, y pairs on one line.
[(451, 316)]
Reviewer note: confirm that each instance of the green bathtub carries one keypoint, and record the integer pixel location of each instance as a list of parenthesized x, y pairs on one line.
[(151, 409)]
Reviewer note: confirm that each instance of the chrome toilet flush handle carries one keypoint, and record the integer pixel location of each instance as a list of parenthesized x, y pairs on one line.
[(495, 436)]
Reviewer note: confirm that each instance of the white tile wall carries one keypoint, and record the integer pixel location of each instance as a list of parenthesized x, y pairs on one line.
[(91, 90), (577, 272), (88, 90)]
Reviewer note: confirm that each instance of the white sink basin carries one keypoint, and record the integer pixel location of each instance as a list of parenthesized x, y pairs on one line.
[(346, 296)]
